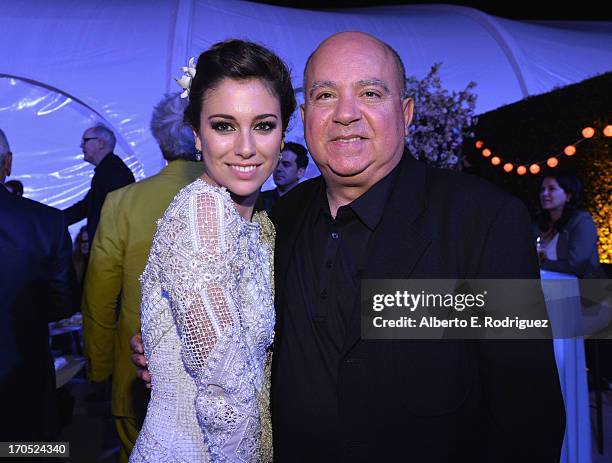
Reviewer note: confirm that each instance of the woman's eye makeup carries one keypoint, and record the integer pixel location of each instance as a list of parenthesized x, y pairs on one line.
[(265, 126), (262, 126), (221, 126)]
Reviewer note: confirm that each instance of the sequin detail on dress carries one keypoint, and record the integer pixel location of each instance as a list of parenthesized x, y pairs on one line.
[(207, 322)]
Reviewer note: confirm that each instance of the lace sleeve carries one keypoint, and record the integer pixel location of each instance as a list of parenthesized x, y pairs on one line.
[(203, 306)]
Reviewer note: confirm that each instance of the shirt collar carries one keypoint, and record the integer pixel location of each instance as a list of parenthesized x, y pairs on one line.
[(369, 206), (106, 158)]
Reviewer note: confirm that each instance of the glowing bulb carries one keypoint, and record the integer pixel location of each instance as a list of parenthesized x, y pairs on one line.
[(508, 167), (479, 144), (607, 131), (495, 160), (534, 169), (588, 132), (570, 150), (552, 162), (486, 152), (521, 170)]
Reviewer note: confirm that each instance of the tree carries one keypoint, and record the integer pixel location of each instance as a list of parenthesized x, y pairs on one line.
[(441, 120)]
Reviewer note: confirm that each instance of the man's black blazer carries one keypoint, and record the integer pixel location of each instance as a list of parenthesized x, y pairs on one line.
[(432, 401), (110, 175), (37, 285)]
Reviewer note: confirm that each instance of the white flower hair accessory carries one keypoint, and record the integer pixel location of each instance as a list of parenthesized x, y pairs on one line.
[(189, 73)]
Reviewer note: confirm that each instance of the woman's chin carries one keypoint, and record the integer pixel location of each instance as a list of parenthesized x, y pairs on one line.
[(241, 193)]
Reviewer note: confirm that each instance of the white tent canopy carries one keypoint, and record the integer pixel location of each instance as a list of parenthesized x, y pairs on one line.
[(67, 63)]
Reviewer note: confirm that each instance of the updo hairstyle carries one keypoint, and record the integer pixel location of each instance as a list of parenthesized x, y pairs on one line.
[(240, 60)]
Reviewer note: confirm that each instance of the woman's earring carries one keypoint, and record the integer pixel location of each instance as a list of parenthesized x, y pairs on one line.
[(198, 155), (282, 145)]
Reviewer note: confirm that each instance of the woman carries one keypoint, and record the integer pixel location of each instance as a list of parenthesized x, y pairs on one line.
[(568, 236), (207, 312), (80, 254)]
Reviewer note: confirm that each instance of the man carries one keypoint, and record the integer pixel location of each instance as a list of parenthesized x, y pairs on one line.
[(38, 285), (291, 168), (376, 213), (98, 143), (118, 256)]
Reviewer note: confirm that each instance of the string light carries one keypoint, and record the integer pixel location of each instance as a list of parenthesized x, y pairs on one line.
[(588, 132), (551, 162), (570, 150), (600, 179)]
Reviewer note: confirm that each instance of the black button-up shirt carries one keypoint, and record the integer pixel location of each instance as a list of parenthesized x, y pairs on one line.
[(321, 297)]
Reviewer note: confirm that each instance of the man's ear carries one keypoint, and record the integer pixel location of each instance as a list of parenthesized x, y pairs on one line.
[(302, 109), (8, 163), (300, 173), (408, 111)]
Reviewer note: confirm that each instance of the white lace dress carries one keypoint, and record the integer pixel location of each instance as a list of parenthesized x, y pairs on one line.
[(207, 321)]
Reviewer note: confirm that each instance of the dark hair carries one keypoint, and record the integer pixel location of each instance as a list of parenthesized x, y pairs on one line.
[(238, 59), (572, 186), (301, 153), (78, 240)]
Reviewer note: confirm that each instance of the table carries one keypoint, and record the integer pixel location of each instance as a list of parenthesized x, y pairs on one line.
[(571, 364), (66, 368), (68, 365), (72, 325)]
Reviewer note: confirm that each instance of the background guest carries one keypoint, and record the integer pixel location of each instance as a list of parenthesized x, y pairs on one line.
[(38, 285), (118, 256), (290, 169), (98, 143), (568, 236), (15, 187), (80, 254)]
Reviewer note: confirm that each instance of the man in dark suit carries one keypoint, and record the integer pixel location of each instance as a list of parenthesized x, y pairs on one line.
[(38, 285), (111, 173), (288, 173), (377, 213)]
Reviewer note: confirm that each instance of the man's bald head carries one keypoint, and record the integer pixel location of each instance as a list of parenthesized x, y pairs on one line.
[(355, 35), (356, 114)]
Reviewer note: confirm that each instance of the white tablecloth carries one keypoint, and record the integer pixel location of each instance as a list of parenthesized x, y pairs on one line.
[(569, 354)]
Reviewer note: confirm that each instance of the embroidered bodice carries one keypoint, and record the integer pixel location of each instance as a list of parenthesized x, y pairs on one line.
[(207, 321)]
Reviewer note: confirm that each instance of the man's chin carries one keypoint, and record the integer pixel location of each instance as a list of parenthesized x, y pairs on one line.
[(349, 171), (346, 179)]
